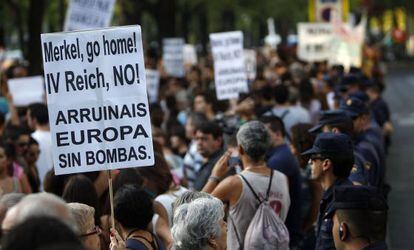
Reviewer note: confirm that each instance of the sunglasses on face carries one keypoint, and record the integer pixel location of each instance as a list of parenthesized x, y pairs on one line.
[(317, 157), (96, 230), (22, 144)]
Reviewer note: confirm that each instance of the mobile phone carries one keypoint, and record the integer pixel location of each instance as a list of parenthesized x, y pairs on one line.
[(234, 161)]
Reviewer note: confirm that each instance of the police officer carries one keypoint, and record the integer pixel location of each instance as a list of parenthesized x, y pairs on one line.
[(338, 121), (359, 218), (331, 160), (367, 139)]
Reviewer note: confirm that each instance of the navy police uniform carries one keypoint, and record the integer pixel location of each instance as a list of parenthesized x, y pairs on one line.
[(363, 168), (329, 144), (373, 165)]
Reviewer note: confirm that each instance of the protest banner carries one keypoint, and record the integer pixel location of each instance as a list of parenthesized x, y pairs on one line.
[(272, 39), (190, 54), (97, 99), (87, 14), (250, 62), (153, 83), (346, 43), (11, 55), (173, 56), (229, 66), (26, 90), (314, 41)]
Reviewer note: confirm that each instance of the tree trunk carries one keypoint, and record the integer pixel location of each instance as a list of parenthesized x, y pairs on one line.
[(34, 54), (131, 12), (2, 32), (15, 8), (62, 14), (185, 23), (228, 20), (166, 19)]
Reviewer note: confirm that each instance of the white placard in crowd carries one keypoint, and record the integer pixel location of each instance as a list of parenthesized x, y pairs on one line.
[(88, 14), (26, 90), (11, 55), (250, 62), (173, 56), (153, 84), (314, 41), (190, 54), (347, 42), (229, 66), (97, 99)]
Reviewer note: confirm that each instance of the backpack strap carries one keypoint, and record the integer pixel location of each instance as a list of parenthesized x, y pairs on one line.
[(251, 188), (254, 193), (241, 243), (270, 186), (284, 114)]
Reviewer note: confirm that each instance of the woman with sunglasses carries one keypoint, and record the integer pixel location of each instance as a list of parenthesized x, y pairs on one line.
[(88, 232)]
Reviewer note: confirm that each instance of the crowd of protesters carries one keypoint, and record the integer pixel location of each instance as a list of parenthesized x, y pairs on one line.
[(319, 132)]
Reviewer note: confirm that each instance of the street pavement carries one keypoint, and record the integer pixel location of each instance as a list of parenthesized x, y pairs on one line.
[(400, 161)]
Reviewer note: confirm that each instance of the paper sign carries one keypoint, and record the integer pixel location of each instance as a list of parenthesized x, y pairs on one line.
[(314, 41), (250, 62), (346, 44), (153, 83), (97, 99), (229, 66), (190, 54), (87, 14), (26, 90), (173, 56), (11, 55)]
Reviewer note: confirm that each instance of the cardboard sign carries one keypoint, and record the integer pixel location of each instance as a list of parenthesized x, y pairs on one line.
[(229, 66), (87, 14), (250, 62), (314, 41), (346, 44), (173, 56), (26, 90), (97, 99), (190, 54), (153, 83)]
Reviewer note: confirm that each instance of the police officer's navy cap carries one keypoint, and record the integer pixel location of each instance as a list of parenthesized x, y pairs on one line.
[(331, 117), (361, 95), (359, 197), (331, 143), (353, 107), (350, 80)]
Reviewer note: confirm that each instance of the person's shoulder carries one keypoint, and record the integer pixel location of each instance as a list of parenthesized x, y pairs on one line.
[(279, 175), (232, 180)]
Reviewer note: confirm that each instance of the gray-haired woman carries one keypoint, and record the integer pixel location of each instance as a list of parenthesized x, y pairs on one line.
[(200, 225)]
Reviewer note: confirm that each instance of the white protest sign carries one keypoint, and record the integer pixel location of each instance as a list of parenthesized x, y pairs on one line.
[(87, 14), (11, 54), (26, 90), (229, 68), (173, 56), (250, 62), (314, 41), (347, 42), (272, 39), (190, 54), (97, 99), (153, 83)]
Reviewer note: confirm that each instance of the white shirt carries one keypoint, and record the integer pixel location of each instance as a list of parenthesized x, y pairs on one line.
[(45, 161)]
